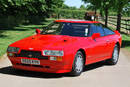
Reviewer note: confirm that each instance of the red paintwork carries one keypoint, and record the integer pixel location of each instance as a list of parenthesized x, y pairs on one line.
[(95, 50), (76, 21), (96, 35)]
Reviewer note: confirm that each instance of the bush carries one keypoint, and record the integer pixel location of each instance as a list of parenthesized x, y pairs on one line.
[(75, 14), (10, 21)]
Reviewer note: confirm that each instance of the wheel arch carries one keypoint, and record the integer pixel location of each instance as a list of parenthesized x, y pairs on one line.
[(118, 44)]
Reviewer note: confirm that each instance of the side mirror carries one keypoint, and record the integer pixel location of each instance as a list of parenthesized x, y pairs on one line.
[(96, 35), (38, 31)]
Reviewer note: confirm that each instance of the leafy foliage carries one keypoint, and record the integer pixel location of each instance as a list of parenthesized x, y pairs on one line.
[(76, 14), (113, 5), (69, 12), (28, 11), (126, 10), (12, 7)]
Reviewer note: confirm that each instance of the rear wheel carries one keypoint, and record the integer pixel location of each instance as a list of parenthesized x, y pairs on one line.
[(78, 64), (115, 56)]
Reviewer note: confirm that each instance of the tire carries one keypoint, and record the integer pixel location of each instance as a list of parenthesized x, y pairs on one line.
[(78, 64), (115, 56)]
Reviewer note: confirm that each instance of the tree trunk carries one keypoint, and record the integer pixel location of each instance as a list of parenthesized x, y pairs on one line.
[(106, 16), (101, 13), (118, 21), (95, 14)]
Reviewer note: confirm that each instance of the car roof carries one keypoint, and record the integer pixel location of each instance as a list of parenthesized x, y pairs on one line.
[(75, 21)]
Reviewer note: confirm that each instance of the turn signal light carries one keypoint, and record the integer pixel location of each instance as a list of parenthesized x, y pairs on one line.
[(56, 58)]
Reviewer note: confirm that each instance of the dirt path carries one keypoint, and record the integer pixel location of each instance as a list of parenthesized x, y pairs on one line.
[(95, 75)]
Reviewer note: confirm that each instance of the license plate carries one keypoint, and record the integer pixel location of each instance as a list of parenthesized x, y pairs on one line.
[(28, 61)]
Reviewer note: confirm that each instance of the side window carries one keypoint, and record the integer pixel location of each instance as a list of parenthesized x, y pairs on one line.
[(100, 29), (53, 28), (67, 29), (108, 31), (79, 29), (93, 29)]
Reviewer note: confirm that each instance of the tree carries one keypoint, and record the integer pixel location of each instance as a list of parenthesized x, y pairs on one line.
[(102, 5), (126, 10), (82, 7), (32, 7), (106, 5), (119, 4), (12, 7), (65, 6), (29, 11), (95, 4)]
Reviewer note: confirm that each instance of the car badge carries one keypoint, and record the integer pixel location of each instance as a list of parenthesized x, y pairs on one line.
[(30, 48)]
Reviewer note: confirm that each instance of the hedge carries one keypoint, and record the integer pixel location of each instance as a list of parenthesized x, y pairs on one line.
[(72, 14)]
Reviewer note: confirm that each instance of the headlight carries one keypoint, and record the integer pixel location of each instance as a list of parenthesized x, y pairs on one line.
[(13, 49), (53, 53)]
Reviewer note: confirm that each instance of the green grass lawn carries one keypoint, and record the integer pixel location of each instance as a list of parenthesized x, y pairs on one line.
[(126, 41), (9, 36)]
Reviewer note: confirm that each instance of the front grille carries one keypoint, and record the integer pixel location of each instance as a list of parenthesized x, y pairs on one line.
[(31, 54)]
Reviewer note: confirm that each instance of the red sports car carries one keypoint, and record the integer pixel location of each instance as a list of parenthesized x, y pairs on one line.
[(66, 46)]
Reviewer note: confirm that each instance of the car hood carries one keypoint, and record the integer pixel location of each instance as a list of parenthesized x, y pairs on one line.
[(40, 42)]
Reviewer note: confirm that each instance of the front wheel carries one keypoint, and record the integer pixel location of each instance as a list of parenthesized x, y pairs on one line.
[(115, 56), (78, 64)]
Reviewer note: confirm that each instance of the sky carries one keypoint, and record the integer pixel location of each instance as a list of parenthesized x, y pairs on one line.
[(76, 3)]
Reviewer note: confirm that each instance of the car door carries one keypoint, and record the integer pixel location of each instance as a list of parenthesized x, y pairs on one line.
[(98, 46), (109, 36)]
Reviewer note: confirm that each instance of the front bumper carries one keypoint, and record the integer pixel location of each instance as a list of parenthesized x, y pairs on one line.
[(45, 65)]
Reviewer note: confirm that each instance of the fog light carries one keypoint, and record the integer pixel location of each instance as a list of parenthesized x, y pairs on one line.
[(53, 58), (10, 54)]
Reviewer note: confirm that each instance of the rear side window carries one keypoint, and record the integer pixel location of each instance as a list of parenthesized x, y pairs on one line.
[(93, 29), (96, 28), (100, 29), (108, 31)]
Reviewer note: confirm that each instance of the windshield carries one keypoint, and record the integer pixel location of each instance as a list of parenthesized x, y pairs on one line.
[(71, 29)]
